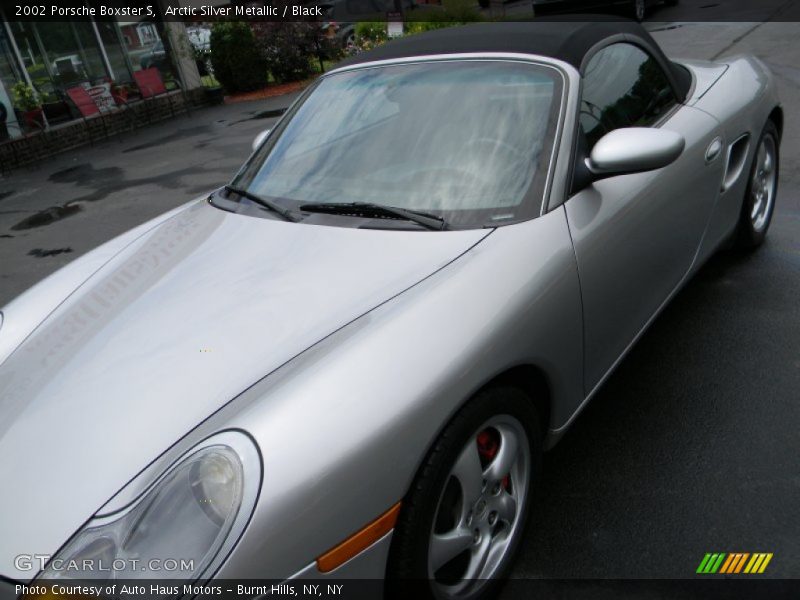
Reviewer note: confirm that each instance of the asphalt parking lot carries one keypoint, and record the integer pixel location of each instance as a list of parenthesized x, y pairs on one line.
[(691, 447)]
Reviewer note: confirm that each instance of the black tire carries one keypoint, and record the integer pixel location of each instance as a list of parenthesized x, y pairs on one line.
[(407, 571), (483, 3), (747, 236), (638, 10), (671, 2)]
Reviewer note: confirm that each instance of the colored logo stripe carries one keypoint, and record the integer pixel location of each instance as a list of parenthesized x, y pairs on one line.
[(734, 563), (758, 563), (727, 564), (710, 563)]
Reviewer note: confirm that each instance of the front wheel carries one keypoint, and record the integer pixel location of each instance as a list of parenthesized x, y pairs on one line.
[(762, 190), (349, 40), (465, 514)]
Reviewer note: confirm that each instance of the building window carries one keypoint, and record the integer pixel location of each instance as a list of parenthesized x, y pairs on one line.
[(57, 56), (10, 74)]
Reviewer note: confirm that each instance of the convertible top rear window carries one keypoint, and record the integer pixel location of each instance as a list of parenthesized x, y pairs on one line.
[(469, 141)]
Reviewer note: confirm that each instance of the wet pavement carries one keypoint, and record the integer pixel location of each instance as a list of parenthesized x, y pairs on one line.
[(54, 211), (692, 445)]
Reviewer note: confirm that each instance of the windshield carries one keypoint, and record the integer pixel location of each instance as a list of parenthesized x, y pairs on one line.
[(469, 141)]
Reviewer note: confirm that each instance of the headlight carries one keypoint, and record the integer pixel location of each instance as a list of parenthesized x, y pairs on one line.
[(182, 526)]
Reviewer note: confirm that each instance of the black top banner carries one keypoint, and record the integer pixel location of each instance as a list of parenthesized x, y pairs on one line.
[(207, 11)]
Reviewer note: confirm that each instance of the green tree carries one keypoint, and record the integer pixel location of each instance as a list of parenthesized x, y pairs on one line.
[(237, 63), (289, 48)]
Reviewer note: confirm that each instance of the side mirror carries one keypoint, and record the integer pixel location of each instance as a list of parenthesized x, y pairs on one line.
[(633, 150), (260, 139)]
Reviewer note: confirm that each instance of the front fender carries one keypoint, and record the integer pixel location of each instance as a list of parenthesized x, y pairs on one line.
[(741, 100), (343, 427)]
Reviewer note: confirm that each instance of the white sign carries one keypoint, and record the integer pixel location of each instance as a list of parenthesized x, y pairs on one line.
[(394, 25)]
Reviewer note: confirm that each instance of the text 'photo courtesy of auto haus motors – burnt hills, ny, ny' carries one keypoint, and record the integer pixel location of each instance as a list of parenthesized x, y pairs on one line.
[(346, 358)]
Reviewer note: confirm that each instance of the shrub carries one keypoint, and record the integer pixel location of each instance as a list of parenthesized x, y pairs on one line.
[(371, 31), (288, 48), (368, 35), (237, 63), (25, 97), (451, 14), (461, 12), (413, 27)]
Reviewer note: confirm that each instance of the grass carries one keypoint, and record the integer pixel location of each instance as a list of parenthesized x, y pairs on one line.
[(326, 65)]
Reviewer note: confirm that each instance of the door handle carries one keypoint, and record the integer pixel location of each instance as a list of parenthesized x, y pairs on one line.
[(714, 150)]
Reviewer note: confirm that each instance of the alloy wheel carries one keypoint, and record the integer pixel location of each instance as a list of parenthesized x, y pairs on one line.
[(764, 184), (481, 508)]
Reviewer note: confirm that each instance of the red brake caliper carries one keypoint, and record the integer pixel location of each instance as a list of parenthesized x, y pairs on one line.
[(488, 446)]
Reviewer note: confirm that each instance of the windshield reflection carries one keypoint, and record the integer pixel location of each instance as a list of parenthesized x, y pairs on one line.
[(467, 140)]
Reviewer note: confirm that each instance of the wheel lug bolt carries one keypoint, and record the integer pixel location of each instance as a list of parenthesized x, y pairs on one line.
[(492, 518), (496, 489), (476, 537)]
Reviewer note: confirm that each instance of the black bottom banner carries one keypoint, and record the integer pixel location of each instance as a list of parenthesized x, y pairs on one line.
[(371, 589)]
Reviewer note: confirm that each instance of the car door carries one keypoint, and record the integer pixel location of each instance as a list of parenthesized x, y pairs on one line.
[(636, 236)]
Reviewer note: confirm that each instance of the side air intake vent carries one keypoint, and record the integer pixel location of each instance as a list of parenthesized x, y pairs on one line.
[(737, 156)]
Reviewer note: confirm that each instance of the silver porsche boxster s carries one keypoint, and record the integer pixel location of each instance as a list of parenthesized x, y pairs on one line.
[(347, 362)]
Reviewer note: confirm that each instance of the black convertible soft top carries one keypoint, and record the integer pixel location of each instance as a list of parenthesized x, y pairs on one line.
[(569, 40)]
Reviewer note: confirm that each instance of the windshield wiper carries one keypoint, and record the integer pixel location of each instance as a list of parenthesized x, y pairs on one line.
[(268, 204), (370, 209)]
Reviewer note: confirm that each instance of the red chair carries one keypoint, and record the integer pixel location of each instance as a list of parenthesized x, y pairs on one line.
[(87, 107), (149, 82), (83, 102), (151, 86)]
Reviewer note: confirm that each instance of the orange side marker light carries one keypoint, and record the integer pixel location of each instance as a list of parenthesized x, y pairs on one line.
[(362, 539)]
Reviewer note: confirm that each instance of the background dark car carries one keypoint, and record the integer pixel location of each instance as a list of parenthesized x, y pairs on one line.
[(635, 9), (155, 57), (345, 13)]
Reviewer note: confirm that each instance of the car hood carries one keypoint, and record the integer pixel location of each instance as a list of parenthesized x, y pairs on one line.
[(163, 335)]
